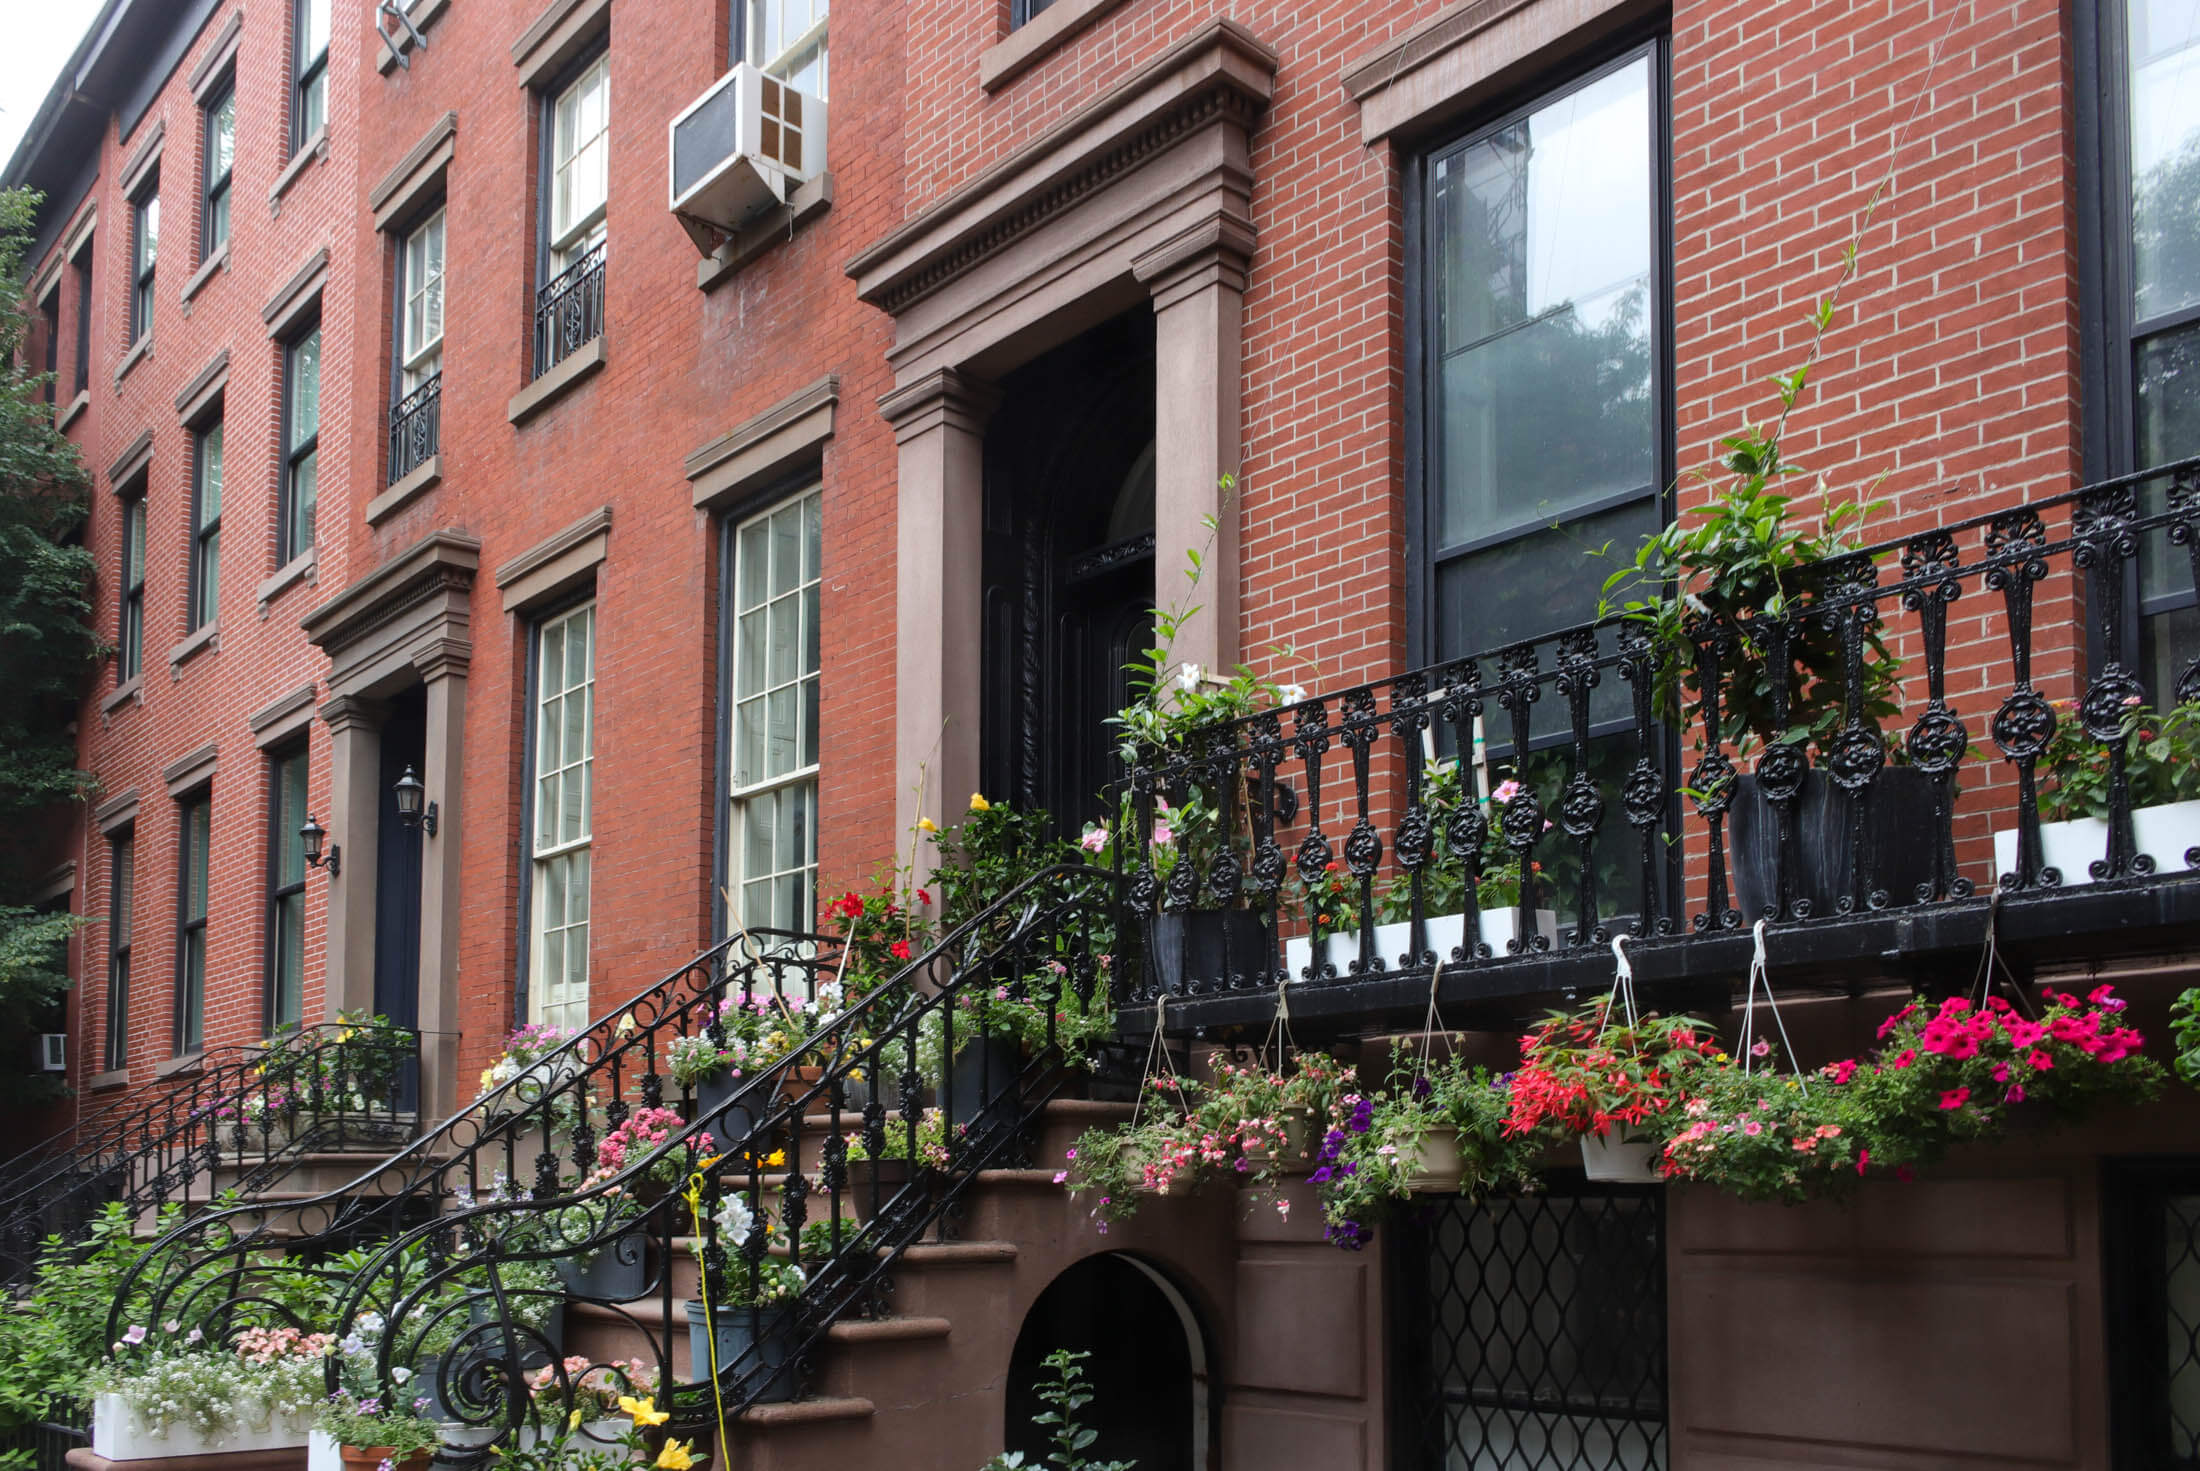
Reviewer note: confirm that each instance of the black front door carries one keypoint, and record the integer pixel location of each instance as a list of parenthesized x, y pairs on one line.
[(1069, 566), (397, 869)]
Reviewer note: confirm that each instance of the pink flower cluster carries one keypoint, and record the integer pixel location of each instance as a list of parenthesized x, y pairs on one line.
[(266, 1345), (1958, 1031), (648, 1130)]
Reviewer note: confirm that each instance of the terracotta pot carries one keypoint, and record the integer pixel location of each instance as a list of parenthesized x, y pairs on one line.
[(368, 1457), (1434, 1167)]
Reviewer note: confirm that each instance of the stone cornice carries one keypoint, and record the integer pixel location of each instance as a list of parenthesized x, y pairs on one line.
[(1218, 74), (440, 561), (941, 398)]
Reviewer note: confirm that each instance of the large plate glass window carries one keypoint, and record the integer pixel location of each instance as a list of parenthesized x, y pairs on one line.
[(1543, 391), (220, 149), (308, 70), (421, 350), (121, 901), (301, 443), (565, 751), (787, 38), (773, 818), (286, 890), (580, 153), (194, 830), (206, 524)]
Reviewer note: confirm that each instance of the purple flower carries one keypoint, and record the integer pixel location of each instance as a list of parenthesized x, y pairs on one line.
[(1349, 1235), (1321, 1176), (1421, 1088), (1363, 1117)]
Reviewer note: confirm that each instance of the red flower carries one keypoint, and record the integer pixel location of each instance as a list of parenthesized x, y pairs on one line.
[(923, 897), (899, 950), (1955, 1098)]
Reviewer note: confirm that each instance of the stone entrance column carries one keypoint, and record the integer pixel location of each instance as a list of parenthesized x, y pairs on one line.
[(939, 425), (442, 898), (1198, 284), (355, 811)]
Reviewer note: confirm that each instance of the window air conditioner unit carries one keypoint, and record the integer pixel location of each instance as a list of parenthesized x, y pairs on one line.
[(53, 1052), (740, 148)]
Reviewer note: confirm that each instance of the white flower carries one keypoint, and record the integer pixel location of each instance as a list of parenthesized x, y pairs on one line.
[(1291, 694), (1187, 678), (734, 1218), (400, 1374)]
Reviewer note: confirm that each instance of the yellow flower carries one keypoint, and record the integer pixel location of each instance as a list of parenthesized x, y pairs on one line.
[(573, 1421), (776, 1159), (978, 803), (674, 1457), (927, 825), (643, 1411)]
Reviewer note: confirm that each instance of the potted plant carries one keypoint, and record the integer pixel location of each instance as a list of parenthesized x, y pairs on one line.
[(2162, 779), (1159, 1152), (1606, 1079), (1764, 1135), (727, 1080), (579, 1386), (532, 1055), (750, 1322), (650, 1135), (198, 1399), (607, 1247), (372, 1437), (876, 1179)]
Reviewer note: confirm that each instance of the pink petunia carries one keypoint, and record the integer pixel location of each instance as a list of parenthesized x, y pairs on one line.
[(1955, 1098)]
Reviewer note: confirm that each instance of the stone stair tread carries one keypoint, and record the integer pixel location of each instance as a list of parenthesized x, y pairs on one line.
[(1019, 1178), (887, 1330), (1096, 1110), (959, 1253), (807, 1412)]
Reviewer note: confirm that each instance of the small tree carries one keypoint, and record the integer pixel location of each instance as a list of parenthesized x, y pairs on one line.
[(47, 648), (1065, 1393)]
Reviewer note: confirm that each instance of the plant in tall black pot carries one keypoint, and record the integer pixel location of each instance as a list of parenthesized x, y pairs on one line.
[(1770, 652)]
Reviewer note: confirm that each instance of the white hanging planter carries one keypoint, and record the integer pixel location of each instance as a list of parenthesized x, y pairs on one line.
[(1627, 1159), (120, 1435), (323, 1453), (1435, 1166), (1497, 929), (2163, 832)]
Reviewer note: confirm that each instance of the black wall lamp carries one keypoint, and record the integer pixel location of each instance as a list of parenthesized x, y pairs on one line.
[(410, 809), (312, 832)]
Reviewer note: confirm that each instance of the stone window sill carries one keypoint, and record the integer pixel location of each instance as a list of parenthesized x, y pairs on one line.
[(811, 199), (208, 637), (579, 366), (130, 692), (102, 1082), (298, 569), (417, 482), (77, 405), (423, 14), (187, 1063), (1032, 42), (139, 351), (309, 153), (215, 265)]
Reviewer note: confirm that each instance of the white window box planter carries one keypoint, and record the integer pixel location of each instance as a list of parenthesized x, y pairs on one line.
[(323, 1453), (2163, 832), (1498, 927), (119, 1435)]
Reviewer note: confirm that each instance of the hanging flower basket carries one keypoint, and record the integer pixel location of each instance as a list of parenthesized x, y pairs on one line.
[(1620, 1157), (1432, 1163)]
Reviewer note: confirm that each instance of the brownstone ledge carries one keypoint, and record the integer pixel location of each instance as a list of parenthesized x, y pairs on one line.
[(293, 1458)]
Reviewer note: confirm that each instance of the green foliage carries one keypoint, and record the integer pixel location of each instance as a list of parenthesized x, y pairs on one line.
[(58, 1335), (2184, 1022), (364, 1423), (1064, 1393), (2161, 762)]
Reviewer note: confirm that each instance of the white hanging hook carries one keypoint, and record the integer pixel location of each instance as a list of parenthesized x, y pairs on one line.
[(1623, 982)]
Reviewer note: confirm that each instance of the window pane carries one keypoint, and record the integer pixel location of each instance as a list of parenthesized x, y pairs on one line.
[(210, 477), (305, 387), (748, 659), (287, 996), (786, 641), (197, 820), (313, 106), (221, 138), (758, 821), (148, 234), (1544, 311), (133, 537), (786, 531), (125, 882), (313, 28), (305, 491), (779, 732), (748, 742), (2164, 47), (290, 815), (754, 572)]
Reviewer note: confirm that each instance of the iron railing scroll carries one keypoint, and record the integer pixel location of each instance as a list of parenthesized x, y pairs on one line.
[(416, 428), (569, 310)]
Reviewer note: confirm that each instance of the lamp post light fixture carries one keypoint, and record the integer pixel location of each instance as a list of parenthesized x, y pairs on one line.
[(311, 832), (410, 809)]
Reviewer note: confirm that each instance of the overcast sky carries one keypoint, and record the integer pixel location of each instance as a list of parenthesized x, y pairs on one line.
[(39, 35)]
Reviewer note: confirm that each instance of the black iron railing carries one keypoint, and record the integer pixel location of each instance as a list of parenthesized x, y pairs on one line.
[(1605, 833), (569, 310), (44, 1444), (416, 428), (239, 1120), (490, 1232)]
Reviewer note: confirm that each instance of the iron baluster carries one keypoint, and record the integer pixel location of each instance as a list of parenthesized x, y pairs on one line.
[(1853, 762), (569, 310), (2184, 530), (1520, 685), (2104, 546), (1408, 719), (1711, 781), (1784, 766), (1581, 805), (1467, 829), (1265, 741), (1363, 850), (2016, 543), (1938, 739), (1310, 739), (1644, 795), (1226, 873)]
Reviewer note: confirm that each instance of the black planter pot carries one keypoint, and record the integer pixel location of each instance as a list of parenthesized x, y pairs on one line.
[(1897, 851), (618, 1272), (981, 1081), (730, 1107), (1205, 949)]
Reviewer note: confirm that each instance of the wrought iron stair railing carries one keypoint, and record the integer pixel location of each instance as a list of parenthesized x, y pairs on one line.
[(1608, 834), (248, 1112), (455, 1295)]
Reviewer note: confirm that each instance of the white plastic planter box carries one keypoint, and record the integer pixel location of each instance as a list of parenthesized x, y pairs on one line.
[(592, 1435), (1628, 1160), (323, 1453), (2163, 832), (1498, 928), (119, 1435)]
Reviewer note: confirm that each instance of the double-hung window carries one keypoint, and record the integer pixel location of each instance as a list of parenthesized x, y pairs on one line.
[(301, 443), (204, 584), (580, 148), (220, 153), (49, 327), (82, 377), (130, 623), (286, 889), (194, 828), (2146, 410), (787, 39), (144, 252), (121, 896), (564, 777), (309, 30), (772, 821), (420, 346)]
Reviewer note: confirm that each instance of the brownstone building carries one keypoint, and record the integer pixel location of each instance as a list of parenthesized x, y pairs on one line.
[(517, 583)]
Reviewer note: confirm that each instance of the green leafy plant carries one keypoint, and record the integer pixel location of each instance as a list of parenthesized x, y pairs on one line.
[(368, 1423), (2161, 762), (1590, 1071), (1064, 1393)]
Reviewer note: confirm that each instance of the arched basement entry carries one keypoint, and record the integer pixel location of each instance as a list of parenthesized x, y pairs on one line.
[(1148, 1368)]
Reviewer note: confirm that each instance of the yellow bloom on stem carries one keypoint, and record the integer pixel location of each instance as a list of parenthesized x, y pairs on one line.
[(978, 803), (643, 1411), (775, 1159), (927, 825), (573, 1421), (674, 1457)]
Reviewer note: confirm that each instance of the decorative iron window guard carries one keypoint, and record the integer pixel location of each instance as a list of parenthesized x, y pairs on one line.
[(569, 310), (416, 428), (1332, 788)]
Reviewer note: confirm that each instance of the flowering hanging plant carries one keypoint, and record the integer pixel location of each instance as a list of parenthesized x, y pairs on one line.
[(1765, 1136), (1587, 1072)]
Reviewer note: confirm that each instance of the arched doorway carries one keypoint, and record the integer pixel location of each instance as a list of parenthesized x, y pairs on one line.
[(1148, 1370)]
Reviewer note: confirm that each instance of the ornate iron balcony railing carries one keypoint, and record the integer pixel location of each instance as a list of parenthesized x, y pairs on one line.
[(247, 1111), (1611, 836), (569, 310), (416, 428), (477, 1233)]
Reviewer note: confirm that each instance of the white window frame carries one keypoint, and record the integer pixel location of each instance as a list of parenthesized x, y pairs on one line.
[(572, 235), (747, 790), (789, 58), (553, 862), (422, 270)]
